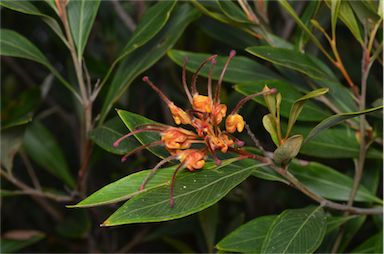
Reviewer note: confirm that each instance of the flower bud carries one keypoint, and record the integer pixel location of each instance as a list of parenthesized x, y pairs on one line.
[(193, 159), (202, 103), (218, 112), (234, 122), (179, 115)]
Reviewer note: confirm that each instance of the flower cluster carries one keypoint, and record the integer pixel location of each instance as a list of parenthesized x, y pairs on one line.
[(205, 118)]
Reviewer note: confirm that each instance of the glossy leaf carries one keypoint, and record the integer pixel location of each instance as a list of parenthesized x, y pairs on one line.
[(16, 45), (233, 11), (336, 119), (295, 60), (240, 69), (81, 15), (268, 174), (311, 111), (329, 183), (296, 231), (364, 13), (335, 8), (16, 240), (193, 192), (334, 222), (42, 147), (150, 24), (249, 237), (347, 16), (144, 57), (28, 8), (337, 142), (374, 244), (269, 125), (132, 121), (105, 135), (209, 219), (126, 187), (297, 107)]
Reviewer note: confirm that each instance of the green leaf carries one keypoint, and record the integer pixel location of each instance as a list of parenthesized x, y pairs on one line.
[(144, 57), (28, 8), (309, 13), (269, 125), (334, 222), (329, 183), (297, 107), (352, 227), (13, 241), (249, 237), (374, 244), (81, 15), (336, 119), (233, 11), (231, 36), (126, 187), (365, 14), (296, 231), (347, 16), (105, 135), (193, 192), (337, 142), (268, 174), (288, 150), (16, 45), (208, 221), (150, 24), (335, 8), (293, 59), (241, 69), (132, 121), (311, 111), (42, 147)]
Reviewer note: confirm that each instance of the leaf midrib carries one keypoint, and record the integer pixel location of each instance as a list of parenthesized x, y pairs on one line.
[(197, 189), (299, 229)]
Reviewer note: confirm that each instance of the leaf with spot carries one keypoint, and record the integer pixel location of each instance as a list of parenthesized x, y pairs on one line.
[(193, 192)]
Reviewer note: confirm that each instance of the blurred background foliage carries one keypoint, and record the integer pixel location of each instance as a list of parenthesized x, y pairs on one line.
[(42, 120)]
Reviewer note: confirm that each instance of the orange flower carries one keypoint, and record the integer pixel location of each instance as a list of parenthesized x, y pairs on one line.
[(192, 158), (177, 138), (179, 115), (202, 104), (218, 113), (234, 122)]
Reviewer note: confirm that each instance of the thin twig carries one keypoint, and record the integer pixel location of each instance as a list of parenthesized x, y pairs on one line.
[(122, 14), (30, 170)]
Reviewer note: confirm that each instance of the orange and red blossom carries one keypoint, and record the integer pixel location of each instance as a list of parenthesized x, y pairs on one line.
[(192, 158), (234, 122), (205, 135)]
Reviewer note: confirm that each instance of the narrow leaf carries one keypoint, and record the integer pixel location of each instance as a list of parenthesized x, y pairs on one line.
[(292, 59), (334, 222), (373, 244), (269, 125), (297, 107), (296, 231), (233, 11), (16, 45), (335, 8), (193, 192), (329, 183), (42, 147), (11, 141), (336, 119), (144, 57), (241, 69), (105, 135), (132, 121), (16, 240), (81, 15), (311, 111)]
